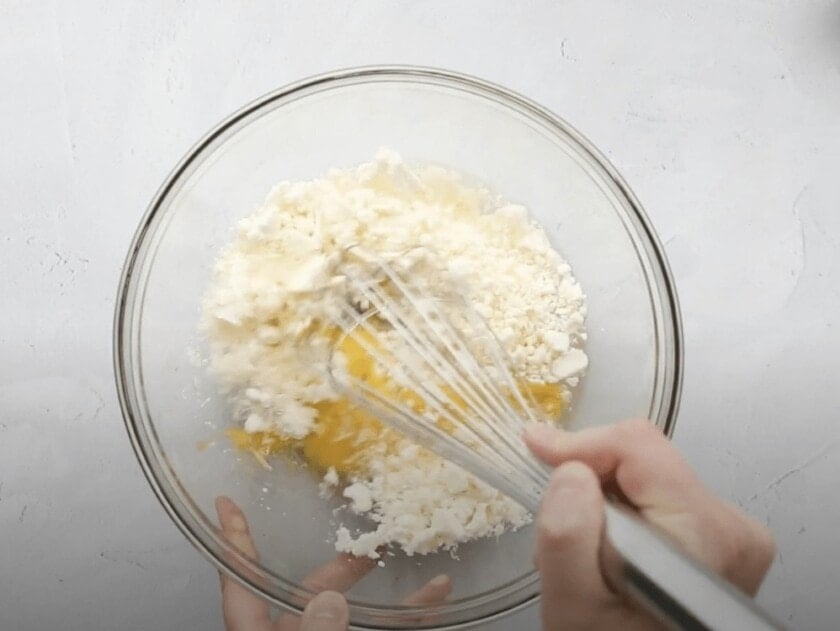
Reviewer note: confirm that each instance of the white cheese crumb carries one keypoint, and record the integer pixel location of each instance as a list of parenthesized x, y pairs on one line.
[(331, 477), (413, 503), (360, 496), (569, 364), (328, 483)]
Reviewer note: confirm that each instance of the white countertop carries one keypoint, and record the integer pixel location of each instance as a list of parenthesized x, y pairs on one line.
[(723, 116)]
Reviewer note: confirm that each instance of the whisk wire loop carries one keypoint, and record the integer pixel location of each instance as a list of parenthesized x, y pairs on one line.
[(455, 393)]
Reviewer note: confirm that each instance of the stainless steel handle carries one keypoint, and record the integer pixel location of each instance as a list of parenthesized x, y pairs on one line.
[(646, 567)]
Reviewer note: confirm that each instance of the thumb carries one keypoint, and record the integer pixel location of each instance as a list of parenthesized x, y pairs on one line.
[(569, 526), (326, 612)]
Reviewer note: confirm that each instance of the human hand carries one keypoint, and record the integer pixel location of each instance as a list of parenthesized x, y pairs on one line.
[(635, 461), (328, 611)]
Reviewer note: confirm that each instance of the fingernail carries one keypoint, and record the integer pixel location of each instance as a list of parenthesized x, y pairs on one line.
[(541, 433), (571, 476), (329, 606), (240, 541), (440, 580), (237, 522), (566, 484)]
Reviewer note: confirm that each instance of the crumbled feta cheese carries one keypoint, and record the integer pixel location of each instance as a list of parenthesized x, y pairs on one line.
[(281, 277)]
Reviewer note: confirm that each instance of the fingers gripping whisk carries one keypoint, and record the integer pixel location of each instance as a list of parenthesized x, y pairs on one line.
[(435, 372)]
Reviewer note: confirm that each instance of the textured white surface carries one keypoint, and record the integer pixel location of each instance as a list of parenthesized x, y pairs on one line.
[(724, 117)]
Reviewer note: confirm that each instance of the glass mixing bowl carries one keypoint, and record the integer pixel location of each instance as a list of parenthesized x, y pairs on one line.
[(519, 149)]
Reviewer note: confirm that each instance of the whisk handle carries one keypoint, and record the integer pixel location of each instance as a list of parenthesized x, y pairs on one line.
[(645, 567)]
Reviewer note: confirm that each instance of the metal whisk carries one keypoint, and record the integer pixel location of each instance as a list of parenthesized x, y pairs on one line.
[(449, 387)]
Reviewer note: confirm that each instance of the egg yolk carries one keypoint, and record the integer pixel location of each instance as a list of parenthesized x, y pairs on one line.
[(346, 434)]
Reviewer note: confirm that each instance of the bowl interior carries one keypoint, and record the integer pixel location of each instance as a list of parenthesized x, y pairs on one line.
[(173, 405)]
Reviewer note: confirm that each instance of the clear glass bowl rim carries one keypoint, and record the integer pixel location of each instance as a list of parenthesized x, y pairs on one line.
[(140, 428)]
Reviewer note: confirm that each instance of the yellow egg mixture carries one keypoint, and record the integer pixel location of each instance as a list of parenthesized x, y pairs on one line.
[(345, 434)]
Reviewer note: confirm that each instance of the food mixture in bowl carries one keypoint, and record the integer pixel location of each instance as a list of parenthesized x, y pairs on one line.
[(269, 317)]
